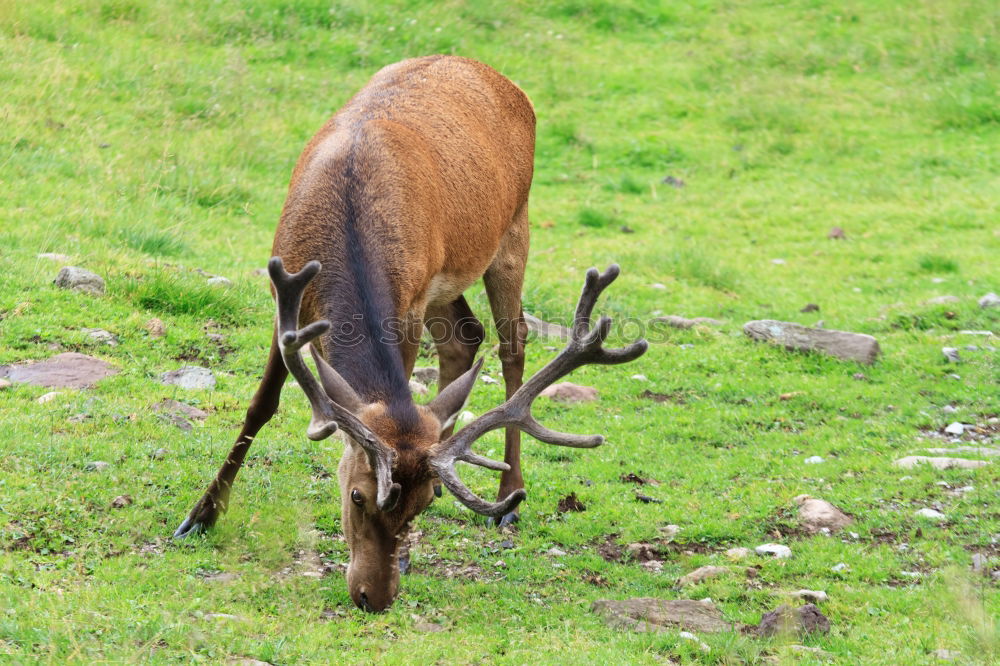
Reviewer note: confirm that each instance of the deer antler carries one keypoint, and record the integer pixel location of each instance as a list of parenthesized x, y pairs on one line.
[(585, 346), (327, 414)]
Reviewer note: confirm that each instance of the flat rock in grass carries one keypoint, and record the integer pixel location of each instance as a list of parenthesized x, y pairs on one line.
[(189, 377), (840, 344), (48, 397), (651, 615), (909, 462), (955, 428), (4, 384), (816, 515), (774, 550), (156, 328), (930, 514), (219, 281), (80, 279), (121, 501), (245, 661), (100, 336), (738, 553), (428, 627), (685, 323), (951, 354), (174, 406), (570, 393), (800, 621), (701, 574), (68, 370), (990, 300), (425, 376), (812, 596), (96, 466), (546, 329)]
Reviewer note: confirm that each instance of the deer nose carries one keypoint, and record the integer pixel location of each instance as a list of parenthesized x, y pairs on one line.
[(365, 606)]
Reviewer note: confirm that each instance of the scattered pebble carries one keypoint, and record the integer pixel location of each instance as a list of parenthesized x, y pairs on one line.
[(910, 462), (774, 550), (96, 466), (658, 285), (738, 553), (159, 454), (949, 409), (121, 501), (156, 328), (814, 596), (951, 353), (640, 378), (688, 636), (930, 514), (568, 392), (486, 379), (990, 300), (425, 376), (946, 655), (79, 279), (836, 233), (701, 574), (219, 281), (842, 566), (778, 262), (955, 428), (99, 335), (555, 552), (942, 300), (48, 397), (416, 388), (813, 460)]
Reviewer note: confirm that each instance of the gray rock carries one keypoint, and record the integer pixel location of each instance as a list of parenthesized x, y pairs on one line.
[(555, 552), (684, 322), (946, 655), (121, 501), (428, 627), (990, 300), (570, 393), (979, 562), (416, 388), (176, 407), (647, 614), (849, 346), (219, 281), (189, 377), (425, 376), (816, 515), (955, 428), (738, 553), (840, 566), (813, 460), (5, 384), (930, 514), (68, 370), (156, 328), (798, 621), (688, 636), (96, 466), (812, 596), (545, 329), (976, 450), (949, 409), (909, 462), (80, 279), (774, 550), (48, 397), (836, 233), (701, 574), (99, 335), (951, 353)]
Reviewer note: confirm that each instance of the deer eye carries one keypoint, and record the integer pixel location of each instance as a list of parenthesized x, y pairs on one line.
[(356, 497)]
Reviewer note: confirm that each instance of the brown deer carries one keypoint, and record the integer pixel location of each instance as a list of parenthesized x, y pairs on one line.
[(416, 188)]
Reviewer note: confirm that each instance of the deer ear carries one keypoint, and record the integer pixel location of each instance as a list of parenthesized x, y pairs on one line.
[(450, 401)]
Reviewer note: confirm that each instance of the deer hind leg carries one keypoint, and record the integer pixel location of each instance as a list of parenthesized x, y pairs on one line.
[(504, 279), (262, 407)]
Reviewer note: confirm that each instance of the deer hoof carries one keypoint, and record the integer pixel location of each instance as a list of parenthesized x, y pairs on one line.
[(190, 527), (506, 519), (404, 565)]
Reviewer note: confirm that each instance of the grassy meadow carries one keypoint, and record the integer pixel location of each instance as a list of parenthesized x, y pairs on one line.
[(707, 147)]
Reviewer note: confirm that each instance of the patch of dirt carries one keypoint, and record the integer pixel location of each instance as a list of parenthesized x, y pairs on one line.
[(595, 579), (570, 503), (609, 549), (632, 477), (676, 398)]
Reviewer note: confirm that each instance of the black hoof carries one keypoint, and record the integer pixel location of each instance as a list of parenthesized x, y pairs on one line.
[(506, 519), (437, 490), (404, 565), (190, 527)]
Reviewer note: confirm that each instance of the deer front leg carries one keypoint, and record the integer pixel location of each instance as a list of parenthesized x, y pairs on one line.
[(262, 407)]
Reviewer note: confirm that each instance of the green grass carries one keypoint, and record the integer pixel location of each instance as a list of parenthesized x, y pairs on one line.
[(153, 143)]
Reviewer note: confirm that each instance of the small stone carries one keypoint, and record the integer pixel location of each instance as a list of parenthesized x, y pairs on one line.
[(658, 285), (814, 596), (416, 388), (946, 655), (217, 338), (568, 392), (949, 409), (778, 262), (159, 454), (650, 615), (799, 621), (640, 378), (776, 550), (428, 627), (841, 344), (48, 397), (189, 377), (951, 353), (910, 462), (555, 552), (486, 379), (954, 376), (643, 552), (930, 514), (816, 514), (73, 277), (859, 376), (425, 376), (156, 328), (701, 574), (500, 564), (979, 562), (121, 502), (813, 460), (668, 532), (837, 568), (222, 616), (174, 406), (99, 335), (836, 233), (219, 281), (738, 553), (221, 577), (465, 418), (53, 256), (942, 300), (96, 466), (990, 300), (688, 636), (955, 428), (506, 544)]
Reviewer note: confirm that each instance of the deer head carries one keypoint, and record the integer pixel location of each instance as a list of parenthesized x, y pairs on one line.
[(387, 472)]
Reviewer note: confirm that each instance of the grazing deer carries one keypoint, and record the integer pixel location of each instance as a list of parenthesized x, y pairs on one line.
[(410, 193)]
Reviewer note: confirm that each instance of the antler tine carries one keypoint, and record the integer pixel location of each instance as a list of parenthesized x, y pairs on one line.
[(327, 414), (585, 346)]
